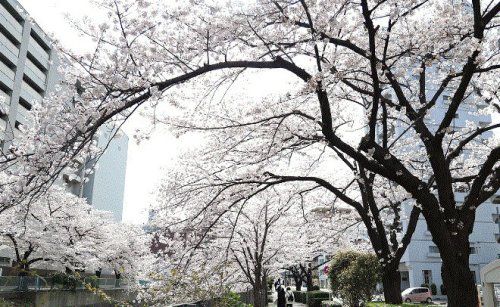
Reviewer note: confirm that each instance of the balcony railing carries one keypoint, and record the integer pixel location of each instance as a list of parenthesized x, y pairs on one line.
[(39, 49), (23, 115), (34, 73), (12, 22), (9, 45), (7, 71), (33, 95)]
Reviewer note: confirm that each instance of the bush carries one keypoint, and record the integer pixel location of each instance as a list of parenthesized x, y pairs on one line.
[(424, 285), (314, 298), (231, 299), (315, 288), (66, 281), (354, 276), (434, 289), (443, 290), (92, 280)]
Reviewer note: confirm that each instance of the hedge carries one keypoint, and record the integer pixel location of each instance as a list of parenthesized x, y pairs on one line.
[(311, 298), (314, 298)]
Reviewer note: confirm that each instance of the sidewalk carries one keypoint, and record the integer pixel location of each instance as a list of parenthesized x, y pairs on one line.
[(294, 304)]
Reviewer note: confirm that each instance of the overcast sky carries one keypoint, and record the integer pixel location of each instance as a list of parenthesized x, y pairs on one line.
[(146, 163)]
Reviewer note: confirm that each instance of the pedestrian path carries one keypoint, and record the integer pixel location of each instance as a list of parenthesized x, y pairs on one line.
[(294, 305)]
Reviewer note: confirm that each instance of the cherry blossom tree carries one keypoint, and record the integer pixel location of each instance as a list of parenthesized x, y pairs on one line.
[(381, 64), (252, 240), (62, 232)]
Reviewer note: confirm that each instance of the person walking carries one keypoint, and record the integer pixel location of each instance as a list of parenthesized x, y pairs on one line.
[(281, 296), (290, 298), (277, 283)]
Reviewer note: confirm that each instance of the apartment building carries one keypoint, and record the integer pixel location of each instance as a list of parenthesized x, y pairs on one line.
[(28, 72), (421, 264)]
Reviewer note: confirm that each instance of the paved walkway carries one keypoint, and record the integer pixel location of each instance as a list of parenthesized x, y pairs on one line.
[(294, 304)]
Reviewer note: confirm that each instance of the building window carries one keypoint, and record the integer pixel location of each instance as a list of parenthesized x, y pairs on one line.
[(433, 249), (472, 250), (427, 277), (473, 276)]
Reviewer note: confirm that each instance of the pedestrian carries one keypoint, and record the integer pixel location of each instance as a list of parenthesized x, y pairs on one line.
[(277, 283), (281, 296), (290, 298)]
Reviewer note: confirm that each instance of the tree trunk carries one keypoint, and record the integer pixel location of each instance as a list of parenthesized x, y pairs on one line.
[(298, 285), (391, 280), (459, 284), (258, 291), (309, 280), (454, 248)]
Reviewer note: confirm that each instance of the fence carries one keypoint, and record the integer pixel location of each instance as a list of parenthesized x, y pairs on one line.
[(38, 283)]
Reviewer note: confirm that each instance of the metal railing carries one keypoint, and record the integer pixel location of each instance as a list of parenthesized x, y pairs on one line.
[(39, 283)]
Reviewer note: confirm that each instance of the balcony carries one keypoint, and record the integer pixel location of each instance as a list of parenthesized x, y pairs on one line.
[(8, 48), (23, 116), (39, 53), (29, 94), (35, 74), (7, 75), (10, 23)]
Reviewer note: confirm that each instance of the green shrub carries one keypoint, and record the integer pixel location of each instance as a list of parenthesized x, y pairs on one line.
[(231, 299), (66, 281), (434, 289), (424, 285), (92, 280), (354, 276), (315, 288), (314, 298)]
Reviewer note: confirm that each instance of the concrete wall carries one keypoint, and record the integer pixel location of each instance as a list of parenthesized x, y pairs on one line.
[(63, 298)]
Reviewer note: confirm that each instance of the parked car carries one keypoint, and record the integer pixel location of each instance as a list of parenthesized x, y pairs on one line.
[(417, 294)]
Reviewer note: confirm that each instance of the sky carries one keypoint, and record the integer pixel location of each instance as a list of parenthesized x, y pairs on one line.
[(148, 161)]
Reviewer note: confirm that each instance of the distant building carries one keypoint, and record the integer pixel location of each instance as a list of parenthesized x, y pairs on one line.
[(105, 187), (320, 264)]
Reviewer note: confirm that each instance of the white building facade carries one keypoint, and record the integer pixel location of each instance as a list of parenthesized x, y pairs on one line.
[(421, 264)]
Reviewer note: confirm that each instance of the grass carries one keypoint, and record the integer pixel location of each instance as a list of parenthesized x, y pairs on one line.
[(403, 305)]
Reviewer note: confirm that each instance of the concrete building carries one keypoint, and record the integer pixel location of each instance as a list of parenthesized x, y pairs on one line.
[(28, 72), (27, 68), (105, 187)]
